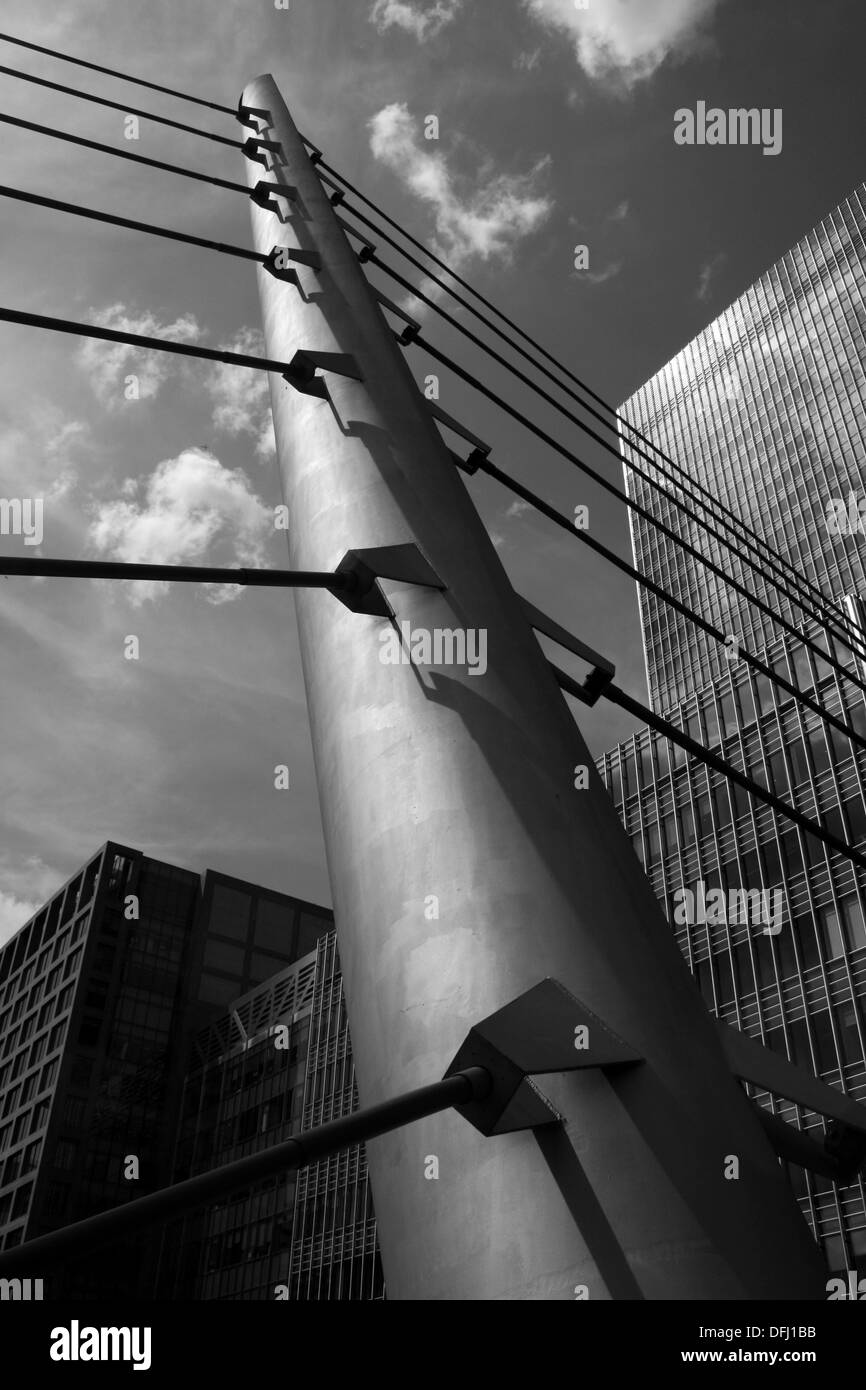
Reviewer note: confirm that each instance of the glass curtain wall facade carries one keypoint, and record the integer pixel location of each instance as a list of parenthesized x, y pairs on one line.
[(98, 980), (278, 1062), (335, 1253), (801, 991), (766, 409), (101, 996)]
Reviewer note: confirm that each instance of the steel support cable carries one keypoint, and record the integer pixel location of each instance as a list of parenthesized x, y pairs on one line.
[(118, 106), (77, 211), (229, 111), (560, 519), (614, 491), (136, 81), (821, 618), (617, 418), (111, 72), (697, 750), (107, 149), (123, 154), (241, 188), (845, 637), (112, 335), (471, 1085), (339, 583)]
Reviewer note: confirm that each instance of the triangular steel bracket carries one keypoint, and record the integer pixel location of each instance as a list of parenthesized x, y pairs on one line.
[(294, 253), (263, 194), (307, 385), (284, 272), (246, 115), (281, 272), (471, 464), (478, 445), (253, 149), (602, 672), (401, 563), (544, 1030), (368, 250), (527, 1109), (340, 363)]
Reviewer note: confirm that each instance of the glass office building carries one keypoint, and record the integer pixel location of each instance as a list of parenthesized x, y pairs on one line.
[(101, 996), (92, 991), (767, 410), (277, 1062)]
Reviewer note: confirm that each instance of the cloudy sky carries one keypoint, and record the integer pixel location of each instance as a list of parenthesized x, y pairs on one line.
[(556, 126)]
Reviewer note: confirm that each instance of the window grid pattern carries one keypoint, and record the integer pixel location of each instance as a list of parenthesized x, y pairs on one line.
[(767, 410), (40, 968), (310, 1234), (801, 991)]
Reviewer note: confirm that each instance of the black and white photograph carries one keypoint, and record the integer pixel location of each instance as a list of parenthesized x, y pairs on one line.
[(432, 673)]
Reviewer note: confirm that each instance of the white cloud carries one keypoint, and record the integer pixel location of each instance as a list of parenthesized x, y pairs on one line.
[(708, 274), (14, 912), (187, 507), (241, 396), (37, 446), (487, 220), (628, 40), (423, 23), (517, 508), (109, 364), (620, 212), (600, 277)]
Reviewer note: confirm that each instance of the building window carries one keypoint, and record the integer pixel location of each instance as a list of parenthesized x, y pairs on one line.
[(828, 922), (230, 912), (21, 1200), (213, 990), (852, 916), (849, 1037), (56, 1199), (262, 967), (65, 1153), (31, 1156), (73, 1111), (825, 1046), (219, 955)]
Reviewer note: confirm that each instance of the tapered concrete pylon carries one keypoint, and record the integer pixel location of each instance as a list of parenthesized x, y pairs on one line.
[(466, 867)]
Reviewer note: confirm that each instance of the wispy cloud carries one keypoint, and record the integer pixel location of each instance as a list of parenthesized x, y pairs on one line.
[(424, 23), (708, 274), (627, 42), (620, 212), (14, 912), (485, 221), (108, 365), (242, 401), (598, 277), (188, 505)]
